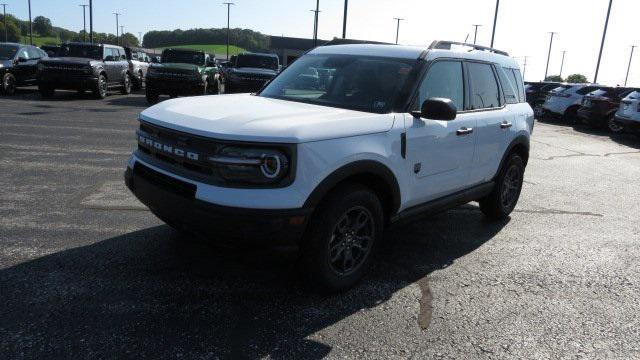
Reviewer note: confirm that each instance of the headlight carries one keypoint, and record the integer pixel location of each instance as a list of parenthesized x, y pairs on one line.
[(40, 67), (251, 165)]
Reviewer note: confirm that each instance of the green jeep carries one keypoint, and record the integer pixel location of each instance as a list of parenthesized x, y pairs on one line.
[(183, 72)]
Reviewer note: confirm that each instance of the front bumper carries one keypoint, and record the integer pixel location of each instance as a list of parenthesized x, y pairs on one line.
[(629, 125), (174, 202), (172, 86), (68, 81)]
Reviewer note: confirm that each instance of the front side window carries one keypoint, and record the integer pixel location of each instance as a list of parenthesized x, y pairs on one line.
[(485, 93), (363, 83), (34, 53), (443, 80), (23, 53)]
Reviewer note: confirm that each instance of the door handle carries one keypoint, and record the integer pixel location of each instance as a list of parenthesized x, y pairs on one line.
[(464, 131), (506, 125)]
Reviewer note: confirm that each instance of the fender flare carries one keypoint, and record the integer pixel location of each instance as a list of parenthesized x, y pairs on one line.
[(520, 140), (358, 168)]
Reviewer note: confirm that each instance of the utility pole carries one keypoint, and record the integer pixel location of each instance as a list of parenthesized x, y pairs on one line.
[(30, 25), (228, 24), (117, 26), (604, 35), (140, 37), (475, 33), (524, 68), (122, 33), (344, 19), (91, 21), (549, 55), (398, 28), (564, 52), (495, 20), (84, 22), (315, 23), (4, 10), (629, 67)]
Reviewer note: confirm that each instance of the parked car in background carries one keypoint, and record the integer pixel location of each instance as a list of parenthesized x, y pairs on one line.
[(537, 92), (18, 66), (599, 107), (183, 72), (628, 114), (138, 65), (564, 101), (85, 66), (251, 71), (51, 50)]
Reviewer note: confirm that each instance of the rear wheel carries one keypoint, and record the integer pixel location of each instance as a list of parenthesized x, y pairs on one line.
[(571, 115), (341, 238), (506, 192), (137, 84), (100, 89), (8, 84), (126, 85), (613, 125)]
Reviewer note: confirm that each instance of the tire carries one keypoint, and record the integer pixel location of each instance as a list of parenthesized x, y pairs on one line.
[(152, 96), (613, 125), (506, 192), (341, 238), (46, 91), (571, 116), (101, 88), (126, 85), (215, 89), (9, 84), (137, 84)]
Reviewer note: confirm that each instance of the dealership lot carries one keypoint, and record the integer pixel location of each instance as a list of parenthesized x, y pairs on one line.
[(85, 270)]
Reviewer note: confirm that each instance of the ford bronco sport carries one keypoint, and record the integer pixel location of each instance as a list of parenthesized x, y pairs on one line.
[(396, 132)]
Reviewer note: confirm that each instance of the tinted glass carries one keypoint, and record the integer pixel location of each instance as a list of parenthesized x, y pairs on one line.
[(8, 52), (187, 57), (257, 61), (34, 53), (508, 86), (484, 87), (81, 51), (23, 53), (585, 90), (444, 80), (363, 83), (519, 82)]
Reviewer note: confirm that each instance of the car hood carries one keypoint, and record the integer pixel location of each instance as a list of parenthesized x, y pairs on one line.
[(177, 66), (249, 70), (246, 117), (68, 60)]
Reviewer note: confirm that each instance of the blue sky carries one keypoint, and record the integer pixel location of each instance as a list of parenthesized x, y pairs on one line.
[(522, 27)]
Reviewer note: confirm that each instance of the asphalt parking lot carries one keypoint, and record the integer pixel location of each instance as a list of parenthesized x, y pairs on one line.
[(87, 272)]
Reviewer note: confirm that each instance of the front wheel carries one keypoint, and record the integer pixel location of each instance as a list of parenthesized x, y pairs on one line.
[(126, 85), (8, 84), (506, 192), (341, 238), (100, 90)]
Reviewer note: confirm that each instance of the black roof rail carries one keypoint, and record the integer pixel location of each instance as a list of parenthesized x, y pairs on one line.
[(446, 45)]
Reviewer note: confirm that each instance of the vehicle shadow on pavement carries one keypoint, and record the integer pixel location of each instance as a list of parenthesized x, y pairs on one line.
[(153, 293)]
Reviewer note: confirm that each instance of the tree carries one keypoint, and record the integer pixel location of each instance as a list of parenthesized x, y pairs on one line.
[(576, 79), (42, 26), (13, 31), (128, 39), (555, 78)]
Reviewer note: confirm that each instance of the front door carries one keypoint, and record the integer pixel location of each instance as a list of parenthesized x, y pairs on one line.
[(440, 153)]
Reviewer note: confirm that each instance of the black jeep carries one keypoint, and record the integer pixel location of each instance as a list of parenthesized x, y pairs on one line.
[(84, 66)]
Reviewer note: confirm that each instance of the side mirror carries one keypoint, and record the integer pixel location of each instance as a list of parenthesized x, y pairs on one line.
[(437, 109), (22, 60)]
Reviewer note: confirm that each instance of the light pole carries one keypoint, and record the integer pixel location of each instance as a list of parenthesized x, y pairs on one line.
[(4, 10), (30, 25), (546, 70), (140, 37), (475, 33), (524, 68), (495, 20), (629, 67), (228, 24), (91, 21), (117, 26), (397, 28), (604, 35), (84, 22), (564, 52), (315, 23), (344, 19)]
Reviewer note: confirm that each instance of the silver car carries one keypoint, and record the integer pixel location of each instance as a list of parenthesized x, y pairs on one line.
[(628, 114)]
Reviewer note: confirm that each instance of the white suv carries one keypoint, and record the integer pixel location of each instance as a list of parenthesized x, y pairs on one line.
[(628, 114), (386, 133), (564, 101)]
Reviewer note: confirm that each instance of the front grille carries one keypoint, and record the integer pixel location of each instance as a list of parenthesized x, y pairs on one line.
[(166, 182), (65, 67)]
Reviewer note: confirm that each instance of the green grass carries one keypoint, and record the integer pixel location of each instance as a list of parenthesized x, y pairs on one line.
[(216, 49), (41, 40)]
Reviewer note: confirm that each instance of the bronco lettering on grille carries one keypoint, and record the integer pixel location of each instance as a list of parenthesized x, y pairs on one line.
[(145, 141)]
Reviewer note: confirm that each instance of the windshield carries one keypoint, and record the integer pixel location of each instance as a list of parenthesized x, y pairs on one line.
[(257, 61), (81, 51), (362, 83), (8, 52), (185, 57)]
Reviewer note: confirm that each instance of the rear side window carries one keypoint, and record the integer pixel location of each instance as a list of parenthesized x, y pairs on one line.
[(508, 86), (514, 74), (444, 79), (485, 93)]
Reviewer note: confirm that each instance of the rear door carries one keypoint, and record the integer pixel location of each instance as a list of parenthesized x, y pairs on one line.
[(21, 69), (440, 153)]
